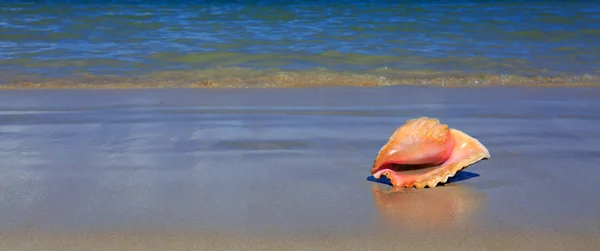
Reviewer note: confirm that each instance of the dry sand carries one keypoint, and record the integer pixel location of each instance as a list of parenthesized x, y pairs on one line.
[(287, 169)]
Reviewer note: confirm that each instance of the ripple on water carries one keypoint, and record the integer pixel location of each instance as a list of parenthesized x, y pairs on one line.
[(63, 39)]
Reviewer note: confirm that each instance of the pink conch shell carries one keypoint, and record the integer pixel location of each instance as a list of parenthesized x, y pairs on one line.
[(424, 152)]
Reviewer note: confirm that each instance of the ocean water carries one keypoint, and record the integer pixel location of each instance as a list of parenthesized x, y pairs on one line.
[(286, 43)]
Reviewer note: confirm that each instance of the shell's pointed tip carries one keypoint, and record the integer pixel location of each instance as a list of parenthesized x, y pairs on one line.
[(433, 183), (420, 185)]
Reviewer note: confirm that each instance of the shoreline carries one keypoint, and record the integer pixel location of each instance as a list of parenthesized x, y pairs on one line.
[(128, 87), (21, 88), (243, 78)]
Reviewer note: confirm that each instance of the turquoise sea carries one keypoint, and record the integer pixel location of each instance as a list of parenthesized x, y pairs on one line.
[(290, 43)]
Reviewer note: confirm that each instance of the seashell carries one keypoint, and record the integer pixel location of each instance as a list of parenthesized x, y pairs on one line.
[(423, 152)]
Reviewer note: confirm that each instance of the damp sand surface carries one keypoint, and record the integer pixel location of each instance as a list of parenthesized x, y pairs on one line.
[(288, 169)]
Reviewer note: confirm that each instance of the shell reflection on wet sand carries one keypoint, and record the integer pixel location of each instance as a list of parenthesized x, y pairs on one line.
[(451, 206)]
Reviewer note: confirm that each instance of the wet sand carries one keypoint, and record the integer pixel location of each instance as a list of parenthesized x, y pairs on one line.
[(219, 169)]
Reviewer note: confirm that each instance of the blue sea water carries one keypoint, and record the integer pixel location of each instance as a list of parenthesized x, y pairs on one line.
[(60, 39)]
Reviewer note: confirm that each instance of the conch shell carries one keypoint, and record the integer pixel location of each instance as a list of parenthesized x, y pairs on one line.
[(424, 152)]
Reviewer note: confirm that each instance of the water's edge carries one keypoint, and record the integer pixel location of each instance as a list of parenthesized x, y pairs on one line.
[(276, 78)]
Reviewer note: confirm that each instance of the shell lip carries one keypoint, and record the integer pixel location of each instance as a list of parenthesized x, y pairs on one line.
[(397, 168), (405, 174)]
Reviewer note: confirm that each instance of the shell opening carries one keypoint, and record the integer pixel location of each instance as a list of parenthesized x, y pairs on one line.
[(410, 169)]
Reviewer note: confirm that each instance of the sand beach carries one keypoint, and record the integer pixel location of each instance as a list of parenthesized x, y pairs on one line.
[(288, 169)]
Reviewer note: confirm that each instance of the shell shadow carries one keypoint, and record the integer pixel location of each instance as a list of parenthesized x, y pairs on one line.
[(460, 176)]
